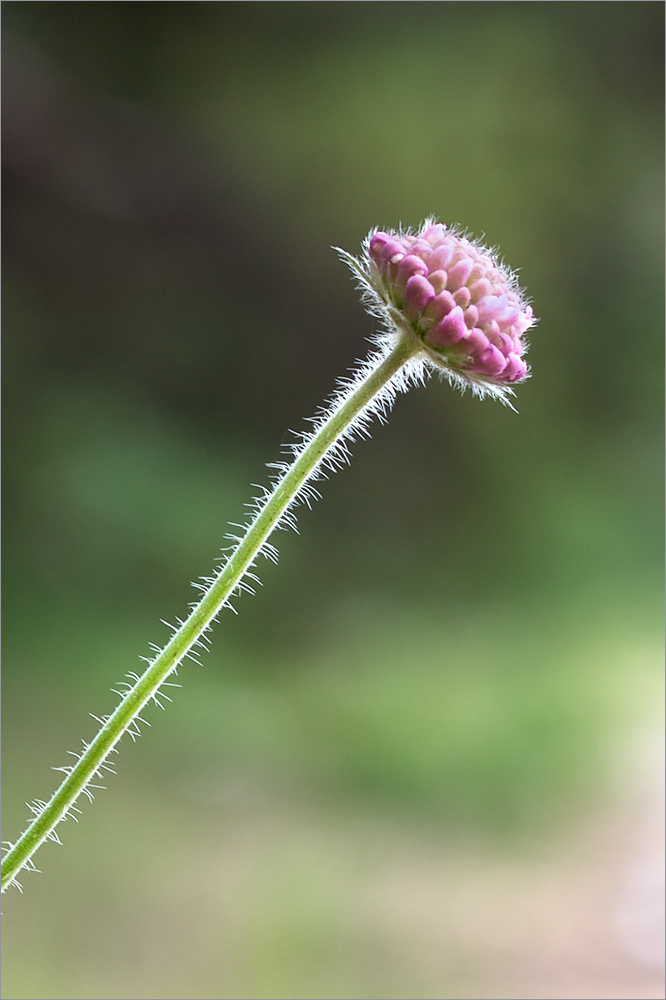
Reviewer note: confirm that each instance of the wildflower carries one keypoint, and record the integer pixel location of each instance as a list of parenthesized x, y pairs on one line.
[(463, 306)]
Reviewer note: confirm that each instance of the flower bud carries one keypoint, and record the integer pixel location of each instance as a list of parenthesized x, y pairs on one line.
[(455, 297)]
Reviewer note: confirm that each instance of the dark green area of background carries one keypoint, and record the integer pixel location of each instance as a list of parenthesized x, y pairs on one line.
[(460, 629)]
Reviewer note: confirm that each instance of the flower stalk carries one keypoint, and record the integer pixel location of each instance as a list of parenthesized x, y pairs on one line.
[(375, 386)]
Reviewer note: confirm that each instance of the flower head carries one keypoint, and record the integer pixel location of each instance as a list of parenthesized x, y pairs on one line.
[(457, 299)]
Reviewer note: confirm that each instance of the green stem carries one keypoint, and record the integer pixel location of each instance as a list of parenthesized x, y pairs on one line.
[(341, 418)]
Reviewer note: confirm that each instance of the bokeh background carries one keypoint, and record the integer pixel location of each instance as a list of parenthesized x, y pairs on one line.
[(424, 760)]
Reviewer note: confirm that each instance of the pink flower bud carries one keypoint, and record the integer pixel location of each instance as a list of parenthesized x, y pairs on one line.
[(463, 297), (471, 316), (476, 342), (449, 331), (460, 272), (440, 306), (391, 253), (418, 293), (492, 361), (515, 370), (442, 255), (376, 245), (506, 344), (457, 300), (438, 280), (406, 268), (479, 289)]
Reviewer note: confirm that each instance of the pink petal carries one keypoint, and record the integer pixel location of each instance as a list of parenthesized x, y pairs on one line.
[(479, 290), (505, 344), (418, 293), (515, 369), (440, 306), (438, 280), (476, 342), (471, 316), (492, 361), (435, 234), (377, 244), (391, 252), (407, 267), (524, 322), (451, 329), (459, 273), (462, 297), (488, 308), (441, 257)]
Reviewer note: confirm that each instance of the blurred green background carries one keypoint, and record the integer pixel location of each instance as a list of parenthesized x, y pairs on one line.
[(419, 761)]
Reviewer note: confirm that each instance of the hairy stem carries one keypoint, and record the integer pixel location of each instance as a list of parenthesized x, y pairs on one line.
[(350, 406)]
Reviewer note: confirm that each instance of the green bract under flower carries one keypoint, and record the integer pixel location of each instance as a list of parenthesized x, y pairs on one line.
[(456, 298)]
